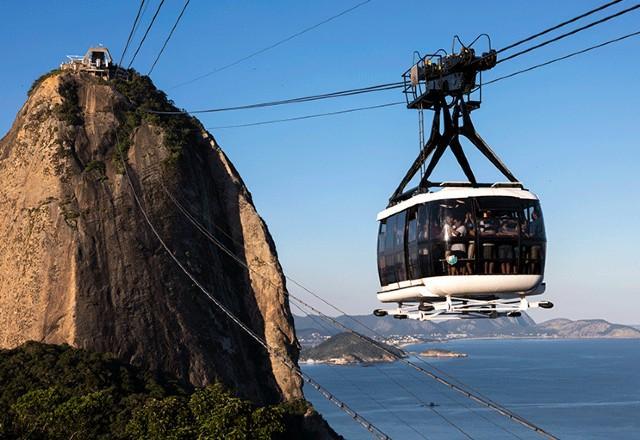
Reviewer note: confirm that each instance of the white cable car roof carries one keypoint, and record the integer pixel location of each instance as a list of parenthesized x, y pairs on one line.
[(456, 193)]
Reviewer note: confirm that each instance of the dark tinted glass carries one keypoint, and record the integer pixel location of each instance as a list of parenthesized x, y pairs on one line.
[(472, 236)]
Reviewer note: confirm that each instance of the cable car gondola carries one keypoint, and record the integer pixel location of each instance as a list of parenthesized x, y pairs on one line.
[(458, 249)]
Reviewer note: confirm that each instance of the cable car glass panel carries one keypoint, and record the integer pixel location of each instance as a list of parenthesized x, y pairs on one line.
[(533, 239), (449, 237), (467, 236), (382, 267), (391, 249), (413, 267)]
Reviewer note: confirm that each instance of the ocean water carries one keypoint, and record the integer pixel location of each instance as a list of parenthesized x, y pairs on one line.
[(574, 389)]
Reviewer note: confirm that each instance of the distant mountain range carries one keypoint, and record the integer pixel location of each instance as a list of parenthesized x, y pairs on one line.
[(312, 330)]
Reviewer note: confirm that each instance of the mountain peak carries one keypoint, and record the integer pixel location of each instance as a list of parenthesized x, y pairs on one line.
[(79, 265)]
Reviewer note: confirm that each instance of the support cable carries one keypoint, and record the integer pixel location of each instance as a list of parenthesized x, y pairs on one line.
[(271, 46), (274, 121), (567, 34), (169, 37), (218, 243), (298, 118), (359, 389), (559, 25), (470, 395), (144, 37), (144, 11), (390, 86), (572, 54), (317, 318), (133, 29), (339, 94), (305, 377)]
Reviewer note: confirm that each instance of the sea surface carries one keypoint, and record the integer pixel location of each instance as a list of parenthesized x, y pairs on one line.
[(574, 389)]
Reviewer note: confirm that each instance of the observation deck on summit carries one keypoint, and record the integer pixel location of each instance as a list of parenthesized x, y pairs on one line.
[(97, 61)]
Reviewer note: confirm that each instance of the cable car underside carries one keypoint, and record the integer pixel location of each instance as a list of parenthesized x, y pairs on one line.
[(457, 250)]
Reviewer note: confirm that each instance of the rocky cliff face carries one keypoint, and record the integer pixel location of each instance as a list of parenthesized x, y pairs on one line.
[(79, 265)]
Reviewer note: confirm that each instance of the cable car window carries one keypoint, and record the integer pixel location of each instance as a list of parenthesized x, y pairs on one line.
[(413, 268), (424, 253), (533, 239), (450, 223), (391, 251), (382, 270), (389, 256), (381, 236), (499, 229), (398, 246)]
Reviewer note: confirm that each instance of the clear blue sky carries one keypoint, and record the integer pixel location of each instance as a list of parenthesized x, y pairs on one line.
[(569, 131)]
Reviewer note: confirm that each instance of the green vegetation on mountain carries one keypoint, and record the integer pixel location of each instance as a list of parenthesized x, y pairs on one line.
[(59, 392), (142, 96)]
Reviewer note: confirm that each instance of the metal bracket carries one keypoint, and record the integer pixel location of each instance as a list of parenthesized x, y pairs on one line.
[(438, 142), (463, 308)]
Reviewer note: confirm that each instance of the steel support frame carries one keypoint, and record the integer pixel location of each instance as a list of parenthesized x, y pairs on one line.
[(465, 308), (438, 142)]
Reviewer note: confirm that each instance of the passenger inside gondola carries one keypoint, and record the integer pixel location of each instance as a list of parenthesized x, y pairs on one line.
[(535, 230), (471, 248), (485, 236), (508, 228), (488, 227), (459, 247)]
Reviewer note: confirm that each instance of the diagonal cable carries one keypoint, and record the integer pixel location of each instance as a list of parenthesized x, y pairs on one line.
[(169, 37), (272, 46), (144, 37)]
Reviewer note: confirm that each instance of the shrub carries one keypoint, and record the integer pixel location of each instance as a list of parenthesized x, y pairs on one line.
[(142, 96), (58, 392), (69, 110)]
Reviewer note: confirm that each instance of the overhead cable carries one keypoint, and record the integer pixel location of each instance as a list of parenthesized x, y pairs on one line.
[(567, 34), (169, 37), (317, 319), (342, 93), (133, 28), (316, 115), (559, 25), (144, 37), (351, 110), (227, 251), (272, 46), (364, 391), (294, 368), (546, 63), (470, 395)]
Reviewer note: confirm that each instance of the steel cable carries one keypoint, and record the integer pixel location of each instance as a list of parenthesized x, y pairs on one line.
[(567, 34), (131, 32), (271, 46), (559, 25), (472, 396), (169, 37), (323, 391), (144, 37)]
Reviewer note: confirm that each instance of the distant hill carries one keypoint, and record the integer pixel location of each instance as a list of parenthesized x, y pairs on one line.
[(588, 328), (310, 333), (345, 348)]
